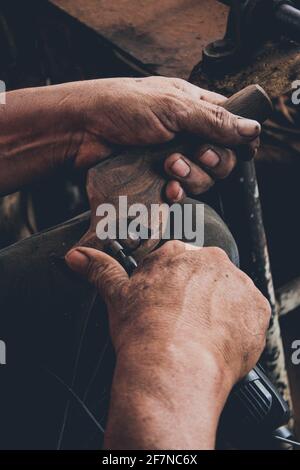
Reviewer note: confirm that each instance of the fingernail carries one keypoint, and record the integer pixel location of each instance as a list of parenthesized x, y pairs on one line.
[(179, 195), (210, 158), (77, 260), (180, 168), (248, 127)]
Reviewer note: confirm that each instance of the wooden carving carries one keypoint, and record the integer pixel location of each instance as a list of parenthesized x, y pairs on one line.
[(137, 173)]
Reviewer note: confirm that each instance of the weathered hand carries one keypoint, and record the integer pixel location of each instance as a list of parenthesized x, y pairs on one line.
[(128, 111), (180, 292), (186, 326), (84, 122)]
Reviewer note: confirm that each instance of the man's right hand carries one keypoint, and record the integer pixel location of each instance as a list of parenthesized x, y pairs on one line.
[(186, 327)]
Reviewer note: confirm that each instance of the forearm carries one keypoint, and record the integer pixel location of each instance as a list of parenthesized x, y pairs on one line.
[(41, 129), (166, 401)]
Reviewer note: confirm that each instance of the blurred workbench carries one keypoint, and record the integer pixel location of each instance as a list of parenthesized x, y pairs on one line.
[(166, 36)]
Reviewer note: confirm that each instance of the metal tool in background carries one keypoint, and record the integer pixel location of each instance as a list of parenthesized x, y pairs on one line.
[(250, 24)]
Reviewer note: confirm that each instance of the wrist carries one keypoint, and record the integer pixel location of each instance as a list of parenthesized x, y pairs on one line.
[(165, 394), (188, 348), (175, 368)]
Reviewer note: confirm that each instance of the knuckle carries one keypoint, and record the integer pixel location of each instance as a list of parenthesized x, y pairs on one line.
[(216, 253), (179, 83), (220, 117), (177, 244), (245, 279), (175, 111), (182, 111), (164, 133), (167, 250), (147, 261), (266, 307), (171, 246), (153, 79), (263, 306)]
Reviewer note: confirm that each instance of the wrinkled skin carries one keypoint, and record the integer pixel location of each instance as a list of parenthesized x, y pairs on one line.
[(188, 324), (75, 125), (186, 327), (152, 111)]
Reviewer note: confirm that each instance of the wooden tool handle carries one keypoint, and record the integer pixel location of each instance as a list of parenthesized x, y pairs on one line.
[(252, 102), (137, 172)]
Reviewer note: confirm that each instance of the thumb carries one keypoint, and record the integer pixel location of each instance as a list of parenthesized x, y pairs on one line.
[(218, 125), (100, 269)]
